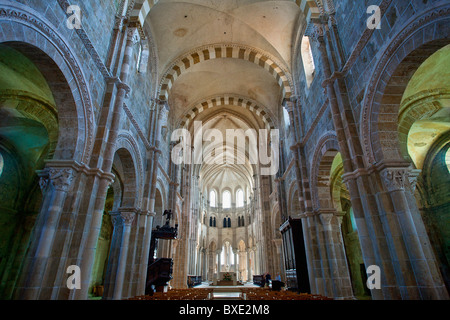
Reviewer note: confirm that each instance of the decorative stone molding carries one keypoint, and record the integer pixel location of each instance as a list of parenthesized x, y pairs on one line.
[(412, 177), (116, 219), (64, 4), (61, 178), (395, 179), (315, 32), (128, 218), (326, 218), (43, 180)]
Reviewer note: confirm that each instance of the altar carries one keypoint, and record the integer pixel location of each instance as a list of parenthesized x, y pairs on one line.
[(225, 279)]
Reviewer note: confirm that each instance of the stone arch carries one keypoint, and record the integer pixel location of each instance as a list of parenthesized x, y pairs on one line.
[(293, 203), (232, 51), (326, 151), (127, 142), (407, 51), (420, 106), (228, 99), (35, 37), (126, 165), (159, 208)]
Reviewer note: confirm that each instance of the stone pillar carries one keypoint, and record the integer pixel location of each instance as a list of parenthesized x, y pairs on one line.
[(249, 266), (340, 276), (107, 150), (278, 267), (409, 238), (219, 261), (147, 226), (57, 182), (149, 199), (127, 217)]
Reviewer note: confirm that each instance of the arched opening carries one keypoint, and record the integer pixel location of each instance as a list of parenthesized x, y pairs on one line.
[(338, 241), (226, 199), (415, 114), (212, 199), (34, 97), (433, 194), (124, 196), (239, 198), (342, 202), (308, 60)]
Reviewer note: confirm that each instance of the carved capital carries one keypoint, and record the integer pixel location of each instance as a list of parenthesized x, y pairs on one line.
[(315, 32), (128, 215), (61, 178), (395, 179), (326, 218), (128, 218), (412, 177)]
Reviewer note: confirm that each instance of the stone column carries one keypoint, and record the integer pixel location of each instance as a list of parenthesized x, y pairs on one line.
[(408, 234), (219, 261), (249, 265), (340, 276), (147, 226), (60, 179), (127, 216), (107, 149), (278, 268), (57, 182)]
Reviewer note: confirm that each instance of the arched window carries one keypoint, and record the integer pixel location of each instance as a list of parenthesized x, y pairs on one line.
[(229, 222), (242, 222), (308, 60), (240, 198), (226, 200), (212, 198), (225, 222), (239, 221), (211, 221), (214, 222)]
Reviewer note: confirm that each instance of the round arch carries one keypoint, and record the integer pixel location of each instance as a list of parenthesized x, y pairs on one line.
[(128, 151), (35, 37), (407, 51), (223, 51), (226, 100), (326, 150)]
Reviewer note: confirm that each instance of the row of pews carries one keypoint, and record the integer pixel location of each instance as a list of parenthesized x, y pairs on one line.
[(179, 294), (267, 294)]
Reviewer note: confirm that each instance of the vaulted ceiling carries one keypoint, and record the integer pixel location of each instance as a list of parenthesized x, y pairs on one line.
[(211, 50)]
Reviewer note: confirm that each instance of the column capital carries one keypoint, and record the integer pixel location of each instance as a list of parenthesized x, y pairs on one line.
[(326, 218), (61, 178), (315, 31), (395, 179)]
